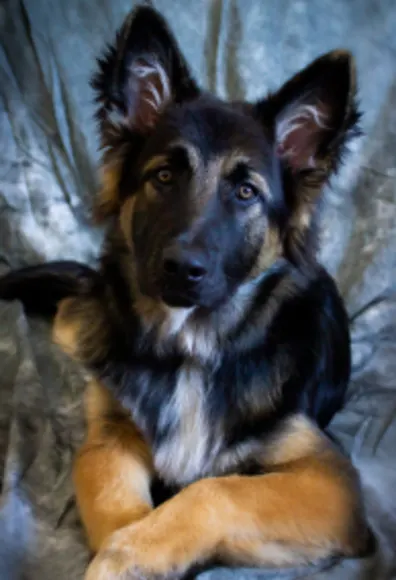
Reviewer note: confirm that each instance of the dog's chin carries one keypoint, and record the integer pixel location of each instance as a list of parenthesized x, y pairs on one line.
[(178, 300), (187, 300)]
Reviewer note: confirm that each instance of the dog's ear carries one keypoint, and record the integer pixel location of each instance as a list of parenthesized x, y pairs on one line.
[(142, 73), (313, 113), (311, 120)]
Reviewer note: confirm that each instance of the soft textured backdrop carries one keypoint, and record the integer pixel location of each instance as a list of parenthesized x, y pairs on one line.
[(47, 180)]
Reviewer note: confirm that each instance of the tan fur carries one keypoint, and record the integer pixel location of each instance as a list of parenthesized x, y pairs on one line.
[(155, 162), (108, 200), (80, 328), (261, 183), (232, 159), (303, 511), (305, 504), (66, 330), (227, 163), (304, 508), (298, 438), (151, 312), (198, 341), (301, 219), (150, 191), (112, 470), (201, 341), (126, 221), (175, 324), (270, 251)]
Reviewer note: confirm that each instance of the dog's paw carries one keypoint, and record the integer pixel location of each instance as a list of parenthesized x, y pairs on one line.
[(132, 554), (114, 565)]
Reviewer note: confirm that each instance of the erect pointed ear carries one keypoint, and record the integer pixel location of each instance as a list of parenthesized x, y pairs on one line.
[(314, 114), (311, 119), (141, 73)]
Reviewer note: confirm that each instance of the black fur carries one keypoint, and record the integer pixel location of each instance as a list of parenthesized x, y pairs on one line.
[(280, 348), (312, 327), (41, 288)]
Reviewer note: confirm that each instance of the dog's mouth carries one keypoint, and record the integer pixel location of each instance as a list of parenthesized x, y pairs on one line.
[(190, 299), (185, 294), (179, 299)]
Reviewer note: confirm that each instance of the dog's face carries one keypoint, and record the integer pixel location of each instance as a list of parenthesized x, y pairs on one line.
[(206, 205), (210, 194)]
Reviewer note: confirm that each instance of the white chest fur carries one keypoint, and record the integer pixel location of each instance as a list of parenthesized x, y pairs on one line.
[(188, 452)]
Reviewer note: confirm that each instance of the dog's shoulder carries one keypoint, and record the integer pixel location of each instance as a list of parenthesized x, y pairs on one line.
[(290, 353)]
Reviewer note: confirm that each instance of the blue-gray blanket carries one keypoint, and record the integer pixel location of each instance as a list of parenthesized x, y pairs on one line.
[(48, 155)]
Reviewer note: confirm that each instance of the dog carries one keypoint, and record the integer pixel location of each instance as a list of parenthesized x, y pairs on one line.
[(217, 346)]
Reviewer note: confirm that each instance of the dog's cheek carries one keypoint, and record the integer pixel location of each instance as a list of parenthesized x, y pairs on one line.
[(140, 241), (270, 251), (243, 244), (263, 245), (150, 227), (126, 222)]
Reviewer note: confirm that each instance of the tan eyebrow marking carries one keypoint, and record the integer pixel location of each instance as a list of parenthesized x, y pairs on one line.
[(234, 159), (155, 162), (261, 183), (194, 157)]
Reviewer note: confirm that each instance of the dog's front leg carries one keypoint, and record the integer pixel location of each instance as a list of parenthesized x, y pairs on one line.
[(82, 328), (306, 509), (112, 471)]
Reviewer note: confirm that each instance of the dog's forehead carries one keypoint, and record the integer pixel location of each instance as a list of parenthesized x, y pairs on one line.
[(216, 129)]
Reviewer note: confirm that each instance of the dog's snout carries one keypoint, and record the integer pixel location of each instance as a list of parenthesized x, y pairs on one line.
[(184, 264)]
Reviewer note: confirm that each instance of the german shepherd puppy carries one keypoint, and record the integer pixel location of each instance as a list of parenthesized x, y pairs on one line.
[(218, 347)]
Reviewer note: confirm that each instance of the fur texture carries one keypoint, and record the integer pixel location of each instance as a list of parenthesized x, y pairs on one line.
[(218, 344)]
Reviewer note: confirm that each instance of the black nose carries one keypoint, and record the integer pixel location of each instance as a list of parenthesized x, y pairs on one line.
[(184, 264)]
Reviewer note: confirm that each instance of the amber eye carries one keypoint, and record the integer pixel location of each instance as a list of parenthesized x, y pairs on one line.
[(164, 175), (246, 192)]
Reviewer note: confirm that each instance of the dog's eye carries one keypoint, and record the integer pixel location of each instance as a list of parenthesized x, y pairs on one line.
[(164, 176), (246, 192)]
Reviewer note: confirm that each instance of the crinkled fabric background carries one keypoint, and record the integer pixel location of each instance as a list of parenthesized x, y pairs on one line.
[(47, 180)]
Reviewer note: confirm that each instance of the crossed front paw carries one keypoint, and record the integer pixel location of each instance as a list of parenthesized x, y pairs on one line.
[(134, 554)]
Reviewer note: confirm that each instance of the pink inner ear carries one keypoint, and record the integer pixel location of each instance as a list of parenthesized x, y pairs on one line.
[(150, 92), (299, 133)]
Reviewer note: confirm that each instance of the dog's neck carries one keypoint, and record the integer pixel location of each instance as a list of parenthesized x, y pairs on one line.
[(195, 332)]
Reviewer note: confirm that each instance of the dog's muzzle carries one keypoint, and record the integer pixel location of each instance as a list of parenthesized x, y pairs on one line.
[(184, 271)]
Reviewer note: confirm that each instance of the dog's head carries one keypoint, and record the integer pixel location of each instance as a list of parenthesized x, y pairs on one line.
[(211, 193)]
